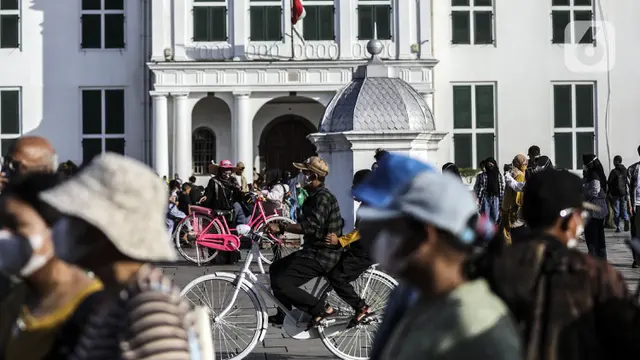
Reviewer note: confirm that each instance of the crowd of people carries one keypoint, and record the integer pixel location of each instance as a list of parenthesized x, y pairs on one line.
[(491, 273)]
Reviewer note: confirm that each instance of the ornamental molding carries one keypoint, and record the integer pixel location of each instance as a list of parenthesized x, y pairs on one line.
[(370, 141), (282, 76)]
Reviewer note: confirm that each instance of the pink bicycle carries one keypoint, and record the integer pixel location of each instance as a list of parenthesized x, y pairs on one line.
[(210, 233)]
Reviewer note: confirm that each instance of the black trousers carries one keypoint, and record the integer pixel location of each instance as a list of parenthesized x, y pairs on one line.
[(635, 224), (291, 272), (594, 236), (348, 270)]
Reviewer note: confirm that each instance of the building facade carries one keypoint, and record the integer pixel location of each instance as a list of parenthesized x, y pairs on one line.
[(180, 83)]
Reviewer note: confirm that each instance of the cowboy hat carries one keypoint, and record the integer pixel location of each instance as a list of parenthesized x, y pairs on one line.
[(224, 164)]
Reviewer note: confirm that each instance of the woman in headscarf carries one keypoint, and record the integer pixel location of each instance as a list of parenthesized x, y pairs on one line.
[(512, 222), (274, 192), (490, 190), (595, 192), (452, 169)]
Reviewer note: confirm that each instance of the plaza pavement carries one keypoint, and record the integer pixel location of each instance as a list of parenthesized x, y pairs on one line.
[(277, 346)]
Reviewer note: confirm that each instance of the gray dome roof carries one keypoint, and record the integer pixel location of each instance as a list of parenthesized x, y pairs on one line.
[(377, 100), (377, 104)]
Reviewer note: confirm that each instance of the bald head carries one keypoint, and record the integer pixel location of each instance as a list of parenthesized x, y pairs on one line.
[(33, 153)]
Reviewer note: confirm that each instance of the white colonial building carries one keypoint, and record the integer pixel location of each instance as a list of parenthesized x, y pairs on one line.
[(231, 80)]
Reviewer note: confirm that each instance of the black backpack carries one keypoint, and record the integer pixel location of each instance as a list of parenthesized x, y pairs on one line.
[(619, 187)]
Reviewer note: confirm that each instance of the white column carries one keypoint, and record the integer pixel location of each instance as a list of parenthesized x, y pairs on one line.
[(160, 134), (160, 28), (180, 39), (239, 20), (242, 132), (182, 131), (345, 10), (406, 28), (424, 37)]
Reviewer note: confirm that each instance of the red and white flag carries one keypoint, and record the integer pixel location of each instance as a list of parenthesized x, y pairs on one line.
[(297, 11)]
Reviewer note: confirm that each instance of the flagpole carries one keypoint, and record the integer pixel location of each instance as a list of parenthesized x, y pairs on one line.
[(291, 29)]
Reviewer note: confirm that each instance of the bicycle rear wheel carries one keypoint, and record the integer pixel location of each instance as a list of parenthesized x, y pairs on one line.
[(187, 246), (273, 248), (237, 334), (354, 343)]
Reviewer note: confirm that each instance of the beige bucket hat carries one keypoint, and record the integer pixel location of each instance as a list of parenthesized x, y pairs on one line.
[(315, 164), (125, 200)]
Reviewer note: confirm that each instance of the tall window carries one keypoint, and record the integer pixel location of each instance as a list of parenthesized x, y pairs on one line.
[(210, 20), (572, 21), (472, 22), (204, 149), (473, 123), (103, 24), (266, 20), (102, 122), (9, 24), (574, 123), (319, 22), (10, 118), (375, 15)]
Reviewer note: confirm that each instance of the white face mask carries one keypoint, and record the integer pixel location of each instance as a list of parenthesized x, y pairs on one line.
[(18, 255), (66, 240), (385, 248)]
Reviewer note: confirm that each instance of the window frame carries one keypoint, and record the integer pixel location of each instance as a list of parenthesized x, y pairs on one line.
[(17, 12), (102, 12), (268, 3), (103, 136), (193, 150), (392, 20), (310, 3), (4, 136), (472, 9), (474, 130), (225, 4), (572, 8), (574, 130)]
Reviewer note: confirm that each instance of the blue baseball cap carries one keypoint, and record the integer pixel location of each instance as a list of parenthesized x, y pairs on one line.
[(402, 186)]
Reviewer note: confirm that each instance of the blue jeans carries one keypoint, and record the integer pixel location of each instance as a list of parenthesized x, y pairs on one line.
[(241, 218), (174, 215), (620, 211), (491, 207)]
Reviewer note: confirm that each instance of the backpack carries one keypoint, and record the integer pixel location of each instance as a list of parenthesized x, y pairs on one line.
[(621, 184)]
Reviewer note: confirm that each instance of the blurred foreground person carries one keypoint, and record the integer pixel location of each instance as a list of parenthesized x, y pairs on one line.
[(117, 231), (422, 225), (452, 169), (568, 304), (43, 315)]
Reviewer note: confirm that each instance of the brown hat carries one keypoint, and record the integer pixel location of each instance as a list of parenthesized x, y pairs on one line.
[(314, 164)]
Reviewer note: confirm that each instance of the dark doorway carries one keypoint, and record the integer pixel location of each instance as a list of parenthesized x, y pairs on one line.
[(284, 141)]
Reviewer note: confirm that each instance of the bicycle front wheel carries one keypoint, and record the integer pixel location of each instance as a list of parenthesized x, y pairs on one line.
[(185, 239), (239, 331), (374, 287), (274, 248)]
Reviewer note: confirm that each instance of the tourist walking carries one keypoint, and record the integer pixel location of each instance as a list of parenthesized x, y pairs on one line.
[(618, 194), (489, 189), (595, 192)]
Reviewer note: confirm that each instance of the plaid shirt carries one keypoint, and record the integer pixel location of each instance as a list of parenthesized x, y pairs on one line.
[(632, 183), (319, 217), (480, 187)]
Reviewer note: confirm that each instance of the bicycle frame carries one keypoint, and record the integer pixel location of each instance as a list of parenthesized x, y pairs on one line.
[(226, 240)]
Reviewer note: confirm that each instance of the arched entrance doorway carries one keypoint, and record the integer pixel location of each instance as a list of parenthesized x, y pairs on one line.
[(284, 141)]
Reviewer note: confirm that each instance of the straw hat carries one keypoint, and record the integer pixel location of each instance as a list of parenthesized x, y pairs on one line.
[(314, 164), (125, 200)]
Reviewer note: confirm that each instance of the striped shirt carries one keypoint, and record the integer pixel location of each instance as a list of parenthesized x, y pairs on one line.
[(148, 321)]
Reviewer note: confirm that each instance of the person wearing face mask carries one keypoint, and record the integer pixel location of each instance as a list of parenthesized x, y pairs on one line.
[(53, 301), (595, 189), (117, 231), (423, 227), (570, 305), (319, 217), (512, 224), (223, 191)]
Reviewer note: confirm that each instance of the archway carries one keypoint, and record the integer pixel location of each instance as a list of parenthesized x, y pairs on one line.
[(284, 141)]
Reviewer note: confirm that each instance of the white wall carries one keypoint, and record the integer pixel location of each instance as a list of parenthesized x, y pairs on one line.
[(524, 63), (50, 68)]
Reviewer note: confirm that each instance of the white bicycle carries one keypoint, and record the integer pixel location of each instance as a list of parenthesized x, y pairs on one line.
[(239, 312)]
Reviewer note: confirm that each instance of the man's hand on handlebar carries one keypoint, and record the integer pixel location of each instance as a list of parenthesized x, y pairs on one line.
[(331, 239)]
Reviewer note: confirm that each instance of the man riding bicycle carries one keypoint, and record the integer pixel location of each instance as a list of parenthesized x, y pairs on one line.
[(320, 216)]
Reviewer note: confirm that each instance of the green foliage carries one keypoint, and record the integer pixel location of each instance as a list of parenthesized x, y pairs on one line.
[(467, 172)]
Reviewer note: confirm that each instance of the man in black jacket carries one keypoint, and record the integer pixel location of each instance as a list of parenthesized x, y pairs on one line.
[(618, 192)]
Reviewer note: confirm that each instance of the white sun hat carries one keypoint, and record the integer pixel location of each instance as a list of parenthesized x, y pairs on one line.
[(125, 200)]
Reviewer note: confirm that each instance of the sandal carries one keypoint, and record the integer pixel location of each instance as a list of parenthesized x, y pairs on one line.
[(317, 320), (361, 315)]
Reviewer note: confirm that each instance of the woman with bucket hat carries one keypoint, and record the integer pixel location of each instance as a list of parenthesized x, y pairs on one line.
[(117, 231)]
